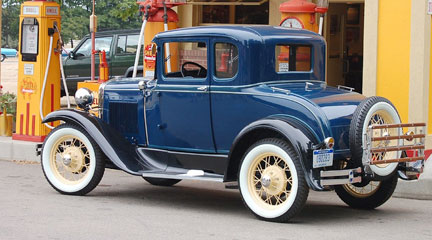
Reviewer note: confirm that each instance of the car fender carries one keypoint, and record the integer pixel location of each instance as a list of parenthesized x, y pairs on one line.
[(294, 132), (113, 144)]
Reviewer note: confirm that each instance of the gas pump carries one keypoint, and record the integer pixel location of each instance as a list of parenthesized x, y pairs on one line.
[(38, 69), (301, 14), (158, 17)]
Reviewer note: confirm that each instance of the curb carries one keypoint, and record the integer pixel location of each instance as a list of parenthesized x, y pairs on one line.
[(420, 189), (14, 150)]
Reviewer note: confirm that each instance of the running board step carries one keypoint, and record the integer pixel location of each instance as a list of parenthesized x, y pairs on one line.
[(189, 174), (340, 177)]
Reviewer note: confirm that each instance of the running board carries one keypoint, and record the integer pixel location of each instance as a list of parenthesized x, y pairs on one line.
[(340, 177), (189, 174)]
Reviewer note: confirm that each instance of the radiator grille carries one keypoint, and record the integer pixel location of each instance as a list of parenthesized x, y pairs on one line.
[(123, 117)]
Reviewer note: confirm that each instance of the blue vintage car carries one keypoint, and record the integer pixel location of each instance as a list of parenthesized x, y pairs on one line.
[(8, 52), (242, 105)]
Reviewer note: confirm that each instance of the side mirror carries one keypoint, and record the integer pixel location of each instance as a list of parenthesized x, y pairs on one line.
[(71, 55)]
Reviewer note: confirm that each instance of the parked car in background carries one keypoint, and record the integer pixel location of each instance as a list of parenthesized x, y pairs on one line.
[(120, 47), (8, 52), (241, 104)]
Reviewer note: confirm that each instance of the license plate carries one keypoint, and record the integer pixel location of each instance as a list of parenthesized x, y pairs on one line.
[(322, 158)]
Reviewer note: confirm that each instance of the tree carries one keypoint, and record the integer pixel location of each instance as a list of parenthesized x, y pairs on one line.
[(112, 15)]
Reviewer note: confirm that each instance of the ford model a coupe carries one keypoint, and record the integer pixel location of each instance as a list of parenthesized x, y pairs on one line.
[(238, 104)]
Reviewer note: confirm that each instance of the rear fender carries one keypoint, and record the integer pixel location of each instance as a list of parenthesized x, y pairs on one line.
[(289, 129), (112, 143)]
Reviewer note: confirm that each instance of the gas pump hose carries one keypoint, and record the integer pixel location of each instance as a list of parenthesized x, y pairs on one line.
[(140, 41)]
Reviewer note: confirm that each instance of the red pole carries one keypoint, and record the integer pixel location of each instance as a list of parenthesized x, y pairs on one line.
[(92, 30)]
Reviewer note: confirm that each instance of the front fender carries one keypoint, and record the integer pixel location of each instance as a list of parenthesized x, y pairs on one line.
[(113, 144), (290, 129)]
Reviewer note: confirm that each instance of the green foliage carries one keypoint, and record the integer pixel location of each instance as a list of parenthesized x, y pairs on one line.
[(8, 101), (112, 15), (10, 19)]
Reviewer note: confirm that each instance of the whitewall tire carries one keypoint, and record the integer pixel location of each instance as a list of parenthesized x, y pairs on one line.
[(271, 181), (71, 161)]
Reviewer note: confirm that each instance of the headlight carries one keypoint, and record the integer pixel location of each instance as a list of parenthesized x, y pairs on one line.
[(84, 98)]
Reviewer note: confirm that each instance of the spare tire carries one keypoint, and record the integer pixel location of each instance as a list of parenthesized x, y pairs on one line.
[(374, 110)]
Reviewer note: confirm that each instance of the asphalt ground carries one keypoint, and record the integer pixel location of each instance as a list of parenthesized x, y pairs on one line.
[(126, 207)]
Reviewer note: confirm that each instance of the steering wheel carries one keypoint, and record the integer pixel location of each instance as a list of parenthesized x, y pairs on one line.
[(201, 68)]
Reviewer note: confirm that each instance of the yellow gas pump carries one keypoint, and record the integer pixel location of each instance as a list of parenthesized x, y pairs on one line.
[(38, 61)]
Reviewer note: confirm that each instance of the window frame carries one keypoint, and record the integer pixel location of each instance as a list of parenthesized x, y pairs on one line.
[(311, 55), (219, 79), (187, 78)]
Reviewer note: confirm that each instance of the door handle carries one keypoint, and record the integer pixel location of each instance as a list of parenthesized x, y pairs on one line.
[(203, 88)]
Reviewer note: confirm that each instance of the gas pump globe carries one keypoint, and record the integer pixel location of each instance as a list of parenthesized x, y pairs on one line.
[(301, 14)]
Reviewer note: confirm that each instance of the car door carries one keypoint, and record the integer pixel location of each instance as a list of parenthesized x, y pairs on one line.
[(124, 55), (78, 67), (178, 109)]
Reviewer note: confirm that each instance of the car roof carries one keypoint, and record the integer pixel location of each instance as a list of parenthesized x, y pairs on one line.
[(118, 32), (250, 32)]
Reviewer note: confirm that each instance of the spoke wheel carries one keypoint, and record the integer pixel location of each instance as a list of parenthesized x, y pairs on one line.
[(374, 111), (368, 195), (362, 190), (271, 181), (72, 162)]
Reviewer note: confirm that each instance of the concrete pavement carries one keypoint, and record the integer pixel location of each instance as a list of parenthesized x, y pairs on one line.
[(13, 150), (126, 207)]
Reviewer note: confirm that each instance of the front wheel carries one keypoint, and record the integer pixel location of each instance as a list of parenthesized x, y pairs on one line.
[(3, 57), (71, 160), (271, 181), (367, 195)]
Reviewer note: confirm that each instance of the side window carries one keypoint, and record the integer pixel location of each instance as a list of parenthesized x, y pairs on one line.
[(132, 44), (293, 58), (185, 59), (121, 45), (102, 43), (226, 62), (127, 44)]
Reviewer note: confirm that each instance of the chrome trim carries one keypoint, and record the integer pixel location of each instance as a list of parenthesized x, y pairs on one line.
[(101, 92), (186, 153), (181, 176), (345, 88), (281, 90)]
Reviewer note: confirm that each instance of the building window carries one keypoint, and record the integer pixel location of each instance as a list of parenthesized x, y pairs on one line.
[(235, 14)]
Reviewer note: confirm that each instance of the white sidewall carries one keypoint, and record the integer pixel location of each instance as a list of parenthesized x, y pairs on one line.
[(243, 181), (382, 171), (46, 152)]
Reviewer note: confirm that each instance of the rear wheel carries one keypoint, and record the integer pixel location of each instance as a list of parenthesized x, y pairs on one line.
[(271, 181), (3, 57), (161, 181), (367, 195)]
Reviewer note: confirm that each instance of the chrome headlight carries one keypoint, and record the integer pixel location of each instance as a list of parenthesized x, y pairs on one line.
[(84, 98)]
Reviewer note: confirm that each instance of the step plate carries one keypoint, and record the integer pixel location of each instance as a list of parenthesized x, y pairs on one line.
[(190, 175)]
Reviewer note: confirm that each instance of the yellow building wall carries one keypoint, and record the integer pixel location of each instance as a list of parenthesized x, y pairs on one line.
[(394, 53), (430, 89)]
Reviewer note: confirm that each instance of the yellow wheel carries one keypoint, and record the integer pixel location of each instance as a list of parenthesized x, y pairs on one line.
[(72, 162), (271, 181)]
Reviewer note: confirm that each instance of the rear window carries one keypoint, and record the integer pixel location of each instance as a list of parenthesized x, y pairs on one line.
[(293, 58), (226, 62)]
